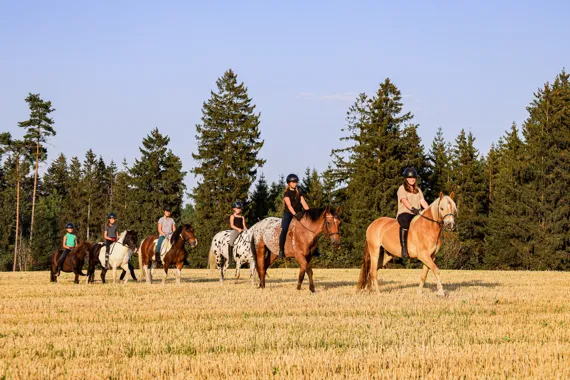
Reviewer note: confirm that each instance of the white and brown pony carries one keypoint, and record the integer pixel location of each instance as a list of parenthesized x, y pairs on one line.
[(119, 257), (424, 241)]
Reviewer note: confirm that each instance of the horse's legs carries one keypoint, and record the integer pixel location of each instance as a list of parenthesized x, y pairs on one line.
[(374, 256), (166, 265), (260, 252), (238, 267), (302, 269), (310, 274), (252, 270), (179, 271), (103, 272), (428, 261), (114, 274), (425, 271)]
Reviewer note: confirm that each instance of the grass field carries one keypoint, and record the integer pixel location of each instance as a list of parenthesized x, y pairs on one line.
[(490, 325)]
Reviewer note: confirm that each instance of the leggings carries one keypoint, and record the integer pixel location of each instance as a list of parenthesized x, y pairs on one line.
[(405, 219), (62, 257), (108, 245), (287, 217)]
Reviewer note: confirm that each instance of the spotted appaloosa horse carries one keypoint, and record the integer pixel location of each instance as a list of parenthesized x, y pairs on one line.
[(176, 254), (243, 252), (424, 241), (121, 252), (302, 240), (73, 261)]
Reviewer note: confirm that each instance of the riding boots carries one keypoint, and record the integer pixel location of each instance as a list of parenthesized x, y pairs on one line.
[(404, 243), (157, 258), (281, 254), (106, 259)]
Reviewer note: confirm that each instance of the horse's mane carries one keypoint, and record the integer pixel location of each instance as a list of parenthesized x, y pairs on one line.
[(122, 236), (314, 214), (176, 234), (433, 206)]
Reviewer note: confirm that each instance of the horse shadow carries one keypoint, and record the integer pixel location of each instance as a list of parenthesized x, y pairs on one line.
[(450, 286)]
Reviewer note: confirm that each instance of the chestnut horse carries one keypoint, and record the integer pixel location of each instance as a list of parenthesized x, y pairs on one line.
[(73, 261), (424, 241), (302, 239), (176, 255)]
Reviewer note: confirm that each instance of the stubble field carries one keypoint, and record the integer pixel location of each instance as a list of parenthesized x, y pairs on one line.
[(490, 325)]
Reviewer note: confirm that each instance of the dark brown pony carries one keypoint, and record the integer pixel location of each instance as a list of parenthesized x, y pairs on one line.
[(176, 255), (302, 240), (73, 261)]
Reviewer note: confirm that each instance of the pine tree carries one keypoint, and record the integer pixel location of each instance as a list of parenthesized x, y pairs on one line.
[(39, 127), (260, 201), (228, 145), (439, 162), (157, 180)]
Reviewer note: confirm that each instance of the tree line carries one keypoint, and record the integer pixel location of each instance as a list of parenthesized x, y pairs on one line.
[(513, 201)]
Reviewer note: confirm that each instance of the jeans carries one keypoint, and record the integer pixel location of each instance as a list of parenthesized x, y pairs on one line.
[(159, 243)]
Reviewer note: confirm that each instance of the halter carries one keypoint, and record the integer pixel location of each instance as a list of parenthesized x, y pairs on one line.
[(322, 227)]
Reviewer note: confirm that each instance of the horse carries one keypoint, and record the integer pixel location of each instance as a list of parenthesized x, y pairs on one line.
[(302, 240), (424, 241), (175, 255), (147, 252), (120, 255), (73, 261), (243, 252), (94, 261)]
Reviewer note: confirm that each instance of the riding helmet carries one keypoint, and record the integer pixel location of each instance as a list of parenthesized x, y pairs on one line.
[(167, 208), (111, 215), (292, 178), (69, 225), (410, 173), (237, 204)]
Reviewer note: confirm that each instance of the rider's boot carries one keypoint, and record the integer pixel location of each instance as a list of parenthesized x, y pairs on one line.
[(404, 243), (281, 254), (157, 258), (316, 252), (107, 259)]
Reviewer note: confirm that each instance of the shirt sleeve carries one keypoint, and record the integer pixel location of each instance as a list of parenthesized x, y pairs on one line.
[(401, 193)]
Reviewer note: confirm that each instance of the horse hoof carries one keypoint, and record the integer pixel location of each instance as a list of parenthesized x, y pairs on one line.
[(441, 293)]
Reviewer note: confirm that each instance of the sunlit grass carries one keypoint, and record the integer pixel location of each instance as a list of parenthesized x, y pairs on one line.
[(491, 325)]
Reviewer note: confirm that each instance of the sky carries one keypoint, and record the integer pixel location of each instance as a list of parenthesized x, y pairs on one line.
[(114, 70)]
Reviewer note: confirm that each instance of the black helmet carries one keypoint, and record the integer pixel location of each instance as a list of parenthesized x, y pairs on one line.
[(69, 225), (292, 178), (111, 215), (410, 173), (167, 208), (237, 204)]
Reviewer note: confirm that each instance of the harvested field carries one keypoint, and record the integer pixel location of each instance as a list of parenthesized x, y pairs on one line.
[(490, 325)]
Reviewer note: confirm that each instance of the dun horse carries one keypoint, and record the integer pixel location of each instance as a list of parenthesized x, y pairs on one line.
[(176, 255), (120, 256), (302, 239), (73, 261), (424, 241)]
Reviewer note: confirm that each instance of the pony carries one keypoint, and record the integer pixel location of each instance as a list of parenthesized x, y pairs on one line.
[(120, 255), (302, 240), (243, 252), (176, 255), (94, 261), (424, 241), (73, 261)]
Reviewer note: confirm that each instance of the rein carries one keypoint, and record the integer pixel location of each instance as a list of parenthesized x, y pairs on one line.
[(322, 227)]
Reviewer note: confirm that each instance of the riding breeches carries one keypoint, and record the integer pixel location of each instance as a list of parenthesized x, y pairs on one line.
[(233, 236), (404, 220), (287, 217)]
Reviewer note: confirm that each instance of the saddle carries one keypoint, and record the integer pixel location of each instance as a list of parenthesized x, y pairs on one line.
[(165, 247)]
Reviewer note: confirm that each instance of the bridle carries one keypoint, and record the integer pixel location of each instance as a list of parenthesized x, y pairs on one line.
[(440, 222), (322, 227)]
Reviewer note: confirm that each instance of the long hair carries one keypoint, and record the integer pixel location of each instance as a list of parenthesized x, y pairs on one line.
[(411, 188)]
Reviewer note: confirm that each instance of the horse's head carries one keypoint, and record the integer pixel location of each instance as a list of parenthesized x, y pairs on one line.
[(188, 235), (131, 240), (446, 210), (332, 224)]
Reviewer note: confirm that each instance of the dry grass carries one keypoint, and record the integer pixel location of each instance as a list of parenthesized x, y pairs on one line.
[(491, 325)]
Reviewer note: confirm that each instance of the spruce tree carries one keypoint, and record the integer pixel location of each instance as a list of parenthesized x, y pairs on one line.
[(228, 141), (157, 180), (39, 127), (260, 201), (439, 162)]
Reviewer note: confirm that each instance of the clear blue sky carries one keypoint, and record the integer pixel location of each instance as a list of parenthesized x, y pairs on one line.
[(116, 69)]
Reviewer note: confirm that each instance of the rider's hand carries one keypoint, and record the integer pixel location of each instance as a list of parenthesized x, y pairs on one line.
[(415, 211), (299, 215)]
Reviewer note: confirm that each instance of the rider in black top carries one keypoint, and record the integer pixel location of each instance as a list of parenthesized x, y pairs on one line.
[(294, 206)]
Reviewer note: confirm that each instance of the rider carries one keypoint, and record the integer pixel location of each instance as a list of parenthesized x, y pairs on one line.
[(165, 228), (110, 236), (294, 206), (237, 224), (69, 242), (410, 200)]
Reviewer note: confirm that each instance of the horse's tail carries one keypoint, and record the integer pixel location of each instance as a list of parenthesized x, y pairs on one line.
[(365, 271), (212, 258), (141, 261)]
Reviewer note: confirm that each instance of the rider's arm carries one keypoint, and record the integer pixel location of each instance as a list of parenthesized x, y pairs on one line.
[(406, 203), (106, 236), (64, 246), (305, 205), (288, 205), (160, 233), (173, 227), (244, 226), (424, 203)]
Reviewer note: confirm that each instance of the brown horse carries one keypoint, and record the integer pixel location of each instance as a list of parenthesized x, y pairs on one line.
[(176, 255), (424, 241), (302, 239), (73, 261)]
